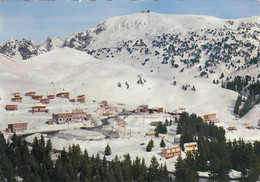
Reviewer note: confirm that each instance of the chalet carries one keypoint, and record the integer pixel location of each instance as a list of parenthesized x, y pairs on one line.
[(156, 110), (142, 109), (151, 133), (78, 114), (17, 99), (12, 107), (81, 96), (45, 101), (16, 127), (182, 109), (63, 95), (122, 124), (37, 97), (231, 128), (103, 103), (174, 113), (62, 118), (30, 94), (171, 152), (39, 109), (154, 123), (16, 94), (104, 111), (250, 127), (81, 99), (209, 116), (113, 108), (49, 122), (50, 96), (72, 100), (191, 147)]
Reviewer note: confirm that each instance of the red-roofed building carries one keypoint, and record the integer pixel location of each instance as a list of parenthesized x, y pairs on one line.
[(62, 118), (63, 95), (30, 94), (39, 109), (17, 99), (51, 96), (17, 127), (171, 152), (11, 107), (16, 94), (37, 97), (45, 101)]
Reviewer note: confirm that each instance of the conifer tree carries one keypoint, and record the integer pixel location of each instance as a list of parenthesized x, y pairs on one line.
[(126, 168), (136, 169), (107, 150), (153, 170), (149, 146), (221, 76), (185, 170), (162, 143)]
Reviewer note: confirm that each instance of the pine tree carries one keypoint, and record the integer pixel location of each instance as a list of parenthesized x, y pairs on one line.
[(221, 76), (85, 172), (153, 170), (117, 170), (185, 170), (162, 143), (107, 150), (136, 169), (126, 168), (149, 146)]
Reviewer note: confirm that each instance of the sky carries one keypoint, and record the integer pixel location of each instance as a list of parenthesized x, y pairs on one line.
[(37, 20)]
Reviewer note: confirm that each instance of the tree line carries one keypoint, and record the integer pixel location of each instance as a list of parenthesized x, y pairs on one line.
[(72, 165)]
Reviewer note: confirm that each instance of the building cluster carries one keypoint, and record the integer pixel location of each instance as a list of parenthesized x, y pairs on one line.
[(17, 98), (80, 99), (143, 109), (105, 109), (75, 116)]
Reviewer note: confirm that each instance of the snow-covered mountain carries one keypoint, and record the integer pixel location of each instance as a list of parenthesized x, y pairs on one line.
[(177, 40), (19, 49), (27, 48), (51, 43)]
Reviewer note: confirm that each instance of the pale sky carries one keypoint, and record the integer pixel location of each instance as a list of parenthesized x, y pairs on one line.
[(39, 19)]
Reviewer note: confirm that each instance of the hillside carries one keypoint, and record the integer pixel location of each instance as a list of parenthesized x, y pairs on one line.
[(66, 69)]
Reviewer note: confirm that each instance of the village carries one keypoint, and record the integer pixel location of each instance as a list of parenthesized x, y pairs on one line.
[(139, 123)]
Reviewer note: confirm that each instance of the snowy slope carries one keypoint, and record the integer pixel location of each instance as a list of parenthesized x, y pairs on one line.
[(148, 25), (77, 72)]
